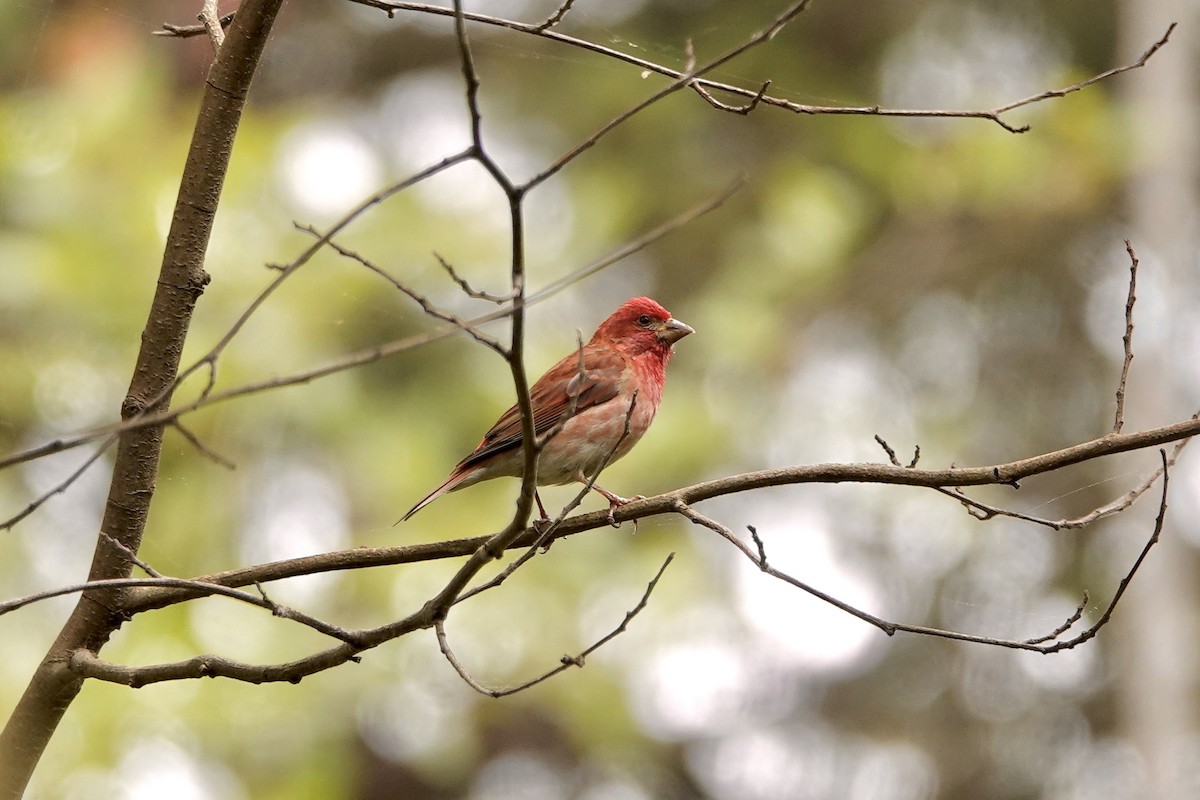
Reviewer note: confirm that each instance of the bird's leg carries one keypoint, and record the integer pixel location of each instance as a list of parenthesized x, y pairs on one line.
[(615, 501), (542, 525)]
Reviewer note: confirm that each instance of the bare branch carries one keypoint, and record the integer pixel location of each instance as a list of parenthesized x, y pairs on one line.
[(993, 115), (557, 16), (686, 78), (428, 307), (743, 109), (201, 447), (758, 542), (1127, 339), (567, 661), (365, 557), (985, 511), (322, 239), (887, 448), (59, 488), (194, 589), (188, 31), (87, 664), (1124, 584), (475, 294), (448, 652), (132, 556), (1043, 644), (1066, 626), (1075, 87)]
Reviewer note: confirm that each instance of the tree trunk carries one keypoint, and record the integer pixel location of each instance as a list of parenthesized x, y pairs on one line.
[(181, 281)]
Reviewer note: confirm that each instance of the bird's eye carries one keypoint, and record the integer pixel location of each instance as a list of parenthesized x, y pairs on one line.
[(643, 320)]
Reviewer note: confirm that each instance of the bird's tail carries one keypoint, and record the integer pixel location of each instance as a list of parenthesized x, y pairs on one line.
[(453, 482)]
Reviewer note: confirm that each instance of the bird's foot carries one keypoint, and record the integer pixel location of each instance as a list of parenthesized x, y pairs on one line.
[(542, 528), (615, 502)]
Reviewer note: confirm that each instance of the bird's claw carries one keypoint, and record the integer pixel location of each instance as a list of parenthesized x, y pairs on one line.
[(542, 527), (615, 502)]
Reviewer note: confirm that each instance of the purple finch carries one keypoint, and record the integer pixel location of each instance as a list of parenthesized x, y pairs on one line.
[(588, 395)]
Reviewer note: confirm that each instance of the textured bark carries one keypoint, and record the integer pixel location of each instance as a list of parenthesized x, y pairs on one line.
[(181, 281)]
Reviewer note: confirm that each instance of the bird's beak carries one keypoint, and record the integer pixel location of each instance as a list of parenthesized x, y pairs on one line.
[(673, 330)]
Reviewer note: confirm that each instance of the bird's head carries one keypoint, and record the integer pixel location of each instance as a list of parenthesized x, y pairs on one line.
[(640, 326)]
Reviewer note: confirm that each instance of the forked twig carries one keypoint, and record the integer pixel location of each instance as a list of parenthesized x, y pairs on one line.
[(424, 302), (891, 454), (985, 511), (566, 661), (1045, 644)]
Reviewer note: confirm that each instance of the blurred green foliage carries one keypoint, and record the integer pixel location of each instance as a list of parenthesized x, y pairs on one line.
[(926, 280)]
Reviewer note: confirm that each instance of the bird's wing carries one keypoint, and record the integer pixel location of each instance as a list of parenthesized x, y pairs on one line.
[(565, 390)]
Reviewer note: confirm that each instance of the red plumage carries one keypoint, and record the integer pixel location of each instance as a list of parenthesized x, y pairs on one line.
[(627, 356)]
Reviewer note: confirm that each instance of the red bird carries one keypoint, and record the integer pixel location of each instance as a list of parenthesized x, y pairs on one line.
[(626, 357)]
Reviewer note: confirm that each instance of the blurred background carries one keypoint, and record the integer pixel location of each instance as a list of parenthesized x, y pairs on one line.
[(941, 283)]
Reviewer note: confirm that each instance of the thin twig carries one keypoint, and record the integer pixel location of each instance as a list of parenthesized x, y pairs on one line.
[(567, 661), (132, 556), (475, 294), (201, 447), (194, 587), (758, 542), (743, 109), (891, 454), (59, 488), (209, 359), (1067, 625), (426, 305), (1124, 584), (1127, 339), (188, 31), (887, 448), (556, 17), (1075, 87)]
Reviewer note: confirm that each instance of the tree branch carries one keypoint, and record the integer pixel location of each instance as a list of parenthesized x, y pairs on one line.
[(994, 115), (667, 503)]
